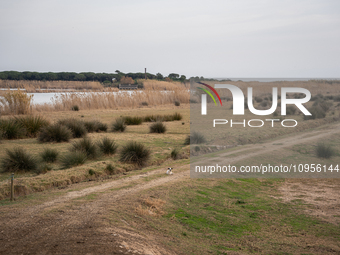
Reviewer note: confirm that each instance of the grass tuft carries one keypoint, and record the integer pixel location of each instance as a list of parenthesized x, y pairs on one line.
[(11, 129), (174, 154), (324, 151), (49, 155), (18, 160), (74, 158), (76, 126), (157, 127), (107, 146), (55, 133), (75, 108), (133, 120), (194, 138), (119, 125), (135, 153), (86, 146), (32, 124)]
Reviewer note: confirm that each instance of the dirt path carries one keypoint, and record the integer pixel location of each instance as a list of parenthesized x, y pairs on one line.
[(61, 227)]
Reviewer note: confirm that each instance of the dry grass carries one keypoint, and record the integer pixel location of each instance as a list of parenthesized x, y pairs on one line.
[(34, 86), (90, 101), (15, 102), (163, 85), (151, 206)]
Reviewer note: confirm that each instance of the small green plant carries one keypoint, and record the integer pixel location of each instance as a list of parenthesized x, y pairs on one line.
[(32, 124), (195, 138), (177, 103), (157, 127), (76, 126), (74, 158), (11, 129), (174, 154), (86, 146), (75, 108), (135, 153), (49, 155), (18, 160), (135, 120), (119, 125), (110, 169), (43, 169), (55, 133), (107, 146), (91, 172), (177, 116), (324, 151)]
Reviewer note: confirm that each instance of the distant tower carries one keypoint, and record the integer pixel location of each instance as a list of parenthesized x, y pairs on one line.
[(145, 74)]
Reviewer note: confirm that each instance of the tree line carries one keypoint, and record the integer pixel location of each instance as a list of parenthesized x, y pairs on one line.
[(85, 76)]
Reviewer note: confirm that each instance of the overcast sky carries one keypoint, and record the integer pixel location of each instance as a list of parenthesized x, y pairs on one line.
[(216, 38)]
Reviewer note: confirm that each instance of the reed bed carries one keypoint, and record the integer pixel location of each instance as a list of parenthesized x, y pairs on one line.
[(87, 101), (34, 86), (163, 85)]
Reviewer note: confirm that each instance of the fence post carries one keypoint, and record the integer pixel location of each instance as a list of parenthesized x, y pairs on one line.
[(12, 187)]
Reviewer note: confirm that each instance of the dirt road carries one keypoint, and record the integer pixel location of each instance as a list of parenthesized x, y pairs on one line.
[(60, 227)]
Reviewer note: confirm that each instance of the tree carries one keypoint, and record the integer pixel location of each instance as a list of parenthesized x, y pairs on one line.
[(173, 76), (159, 76), (182, 78)]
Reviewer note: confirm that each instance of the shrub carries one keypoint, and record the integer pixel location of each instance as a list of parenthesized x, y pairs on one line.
[(258, 99), (76, 126), (95, 126), (91, 172), (32, 124), (75, 108), (49, 155), (290, 110), (174, 154), (18, 160), (11, 129), (87, 146), (73, 158), (157, 127), (119, 125), (177, 116), (144, 103), (323, 104), (337, 98), (177, 103), (317, 113), (324, 151), (169, 117), (110, 169), (55, 133), (264, 104), (195, 138), (135, 153), (107, 146), (129, 120), (43, 168)]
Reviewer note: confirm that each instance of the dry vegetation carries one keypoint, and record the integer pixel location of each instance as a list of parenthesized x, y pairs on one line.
[(36, 86)]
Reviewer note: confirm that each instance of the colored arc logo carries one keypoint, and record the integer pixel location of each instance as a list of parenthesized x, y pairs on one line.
[(206, 91)]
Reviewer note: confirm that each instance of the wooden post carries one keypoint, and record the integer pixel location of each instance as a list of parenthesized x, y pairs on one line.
[(12, 187)]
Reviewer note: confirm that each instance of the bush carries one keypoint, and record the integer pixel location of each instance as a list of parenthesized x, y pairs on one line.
[(18, 160), (177, 103), (119, 125), (323, 104), (144, 103), (135, 153), (169, 117), (324, 151), (177, 116), (337, 98), (258, 99), (291, 109), (157, 127), (95, 126), (11, 129), (195, 138), (107, 146), (317, 113), (86, 146), (55, 133), (76, 126), (49, 155), (74, 158), (129, 120), (174, 154), (32, 124), (75, 108)]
